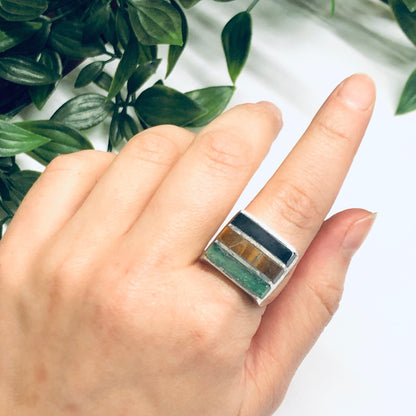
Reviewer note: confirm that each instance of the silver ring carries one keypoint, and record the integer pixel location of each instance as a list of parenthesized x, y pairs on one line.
[(252, 255)]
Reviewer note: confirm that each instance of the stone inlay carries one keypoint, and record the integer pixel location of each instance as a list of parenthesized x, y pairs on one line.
[(252, 256), (237, 271), (250, 253), (264, 238)]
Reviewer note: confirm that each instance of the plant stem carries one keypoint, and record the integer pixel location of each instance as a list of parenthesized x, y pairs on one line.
[(252, 5), (332, 8)]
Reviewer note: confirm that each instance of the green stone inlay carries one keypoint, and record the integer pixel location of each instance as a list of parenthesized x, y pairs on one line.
[(237, 271)]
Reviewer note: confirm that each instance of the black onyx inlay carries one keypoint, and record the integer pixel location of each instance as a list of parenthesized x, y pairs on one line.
[(264, 238)]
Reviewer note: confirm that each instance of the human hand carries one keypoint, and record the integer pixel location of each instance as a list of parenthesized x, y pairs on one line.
[(105, 308)]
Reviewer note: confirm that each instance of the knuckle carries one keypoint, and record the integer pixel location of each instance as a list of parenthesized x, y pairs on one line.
[(155, 148), (76, 162), (333, 130), (167, 130), (296, 206), (225, 152), (328, 296)]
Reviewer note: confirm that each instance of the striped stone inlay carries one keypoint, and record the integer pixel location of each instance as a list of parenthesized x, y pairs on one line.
[(247, 279)]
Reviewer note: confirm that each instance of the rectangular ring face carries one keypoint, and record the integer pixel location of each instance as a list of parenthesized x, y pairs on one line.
[(252, 256)]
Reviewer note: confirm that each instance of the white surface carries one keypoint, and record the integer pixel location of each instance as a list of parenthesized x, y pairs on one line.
[(364, 363)]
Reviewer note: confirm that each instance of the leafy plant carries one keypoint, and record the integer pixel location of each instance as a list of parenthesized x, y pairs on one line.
[(405, 14), (42, 41)]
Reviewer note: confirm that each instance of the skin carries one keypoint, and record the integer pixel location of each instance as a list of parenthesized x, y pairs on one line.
[(105, 308)]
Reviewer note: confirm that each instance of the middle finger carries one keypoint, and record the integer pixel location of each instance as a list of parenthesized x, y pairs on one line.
[(204, 185)]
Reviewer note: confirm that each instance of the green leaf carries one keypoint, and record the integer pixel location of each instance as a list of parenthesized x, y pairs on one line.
[(12, 34), (405, 18), (189, 3), (84, 111), (115, 135), (122, 29), (407, 101), (8, 165), (4, 191), (163, 105), (128, 126), (20, 10), (236, 40), (125, 68), (122, 127), (36, 43), (18, 184), (15, 140), (40, 94), (410, 4), (155, 22), (175, 51), (104, 81), (109, 31), (96, 22), (141, 75), (89, 73), (147, 53), (67, 38), (26, 71), (213, 100), (64, 139)]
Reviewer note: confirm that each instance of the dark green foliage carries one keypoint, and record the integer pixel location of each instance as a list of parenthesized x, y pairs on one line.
[(405, 14), (407, 101), (84, 111), (15, 140), (163, 105), (175, 51), (236, 39), (212, 100), (42, 41)]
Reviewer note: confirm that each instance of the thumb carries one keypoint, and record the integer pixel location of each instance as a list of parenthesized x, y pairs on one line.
[(292, 323)]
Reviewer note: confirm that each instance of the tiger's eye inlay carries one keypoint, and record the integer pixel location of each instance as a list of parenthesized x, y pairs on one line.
[(250, 253)]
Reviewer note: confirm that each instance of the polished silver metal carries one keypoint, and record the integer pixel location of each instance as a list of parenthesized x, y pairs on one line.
[(232, 265)]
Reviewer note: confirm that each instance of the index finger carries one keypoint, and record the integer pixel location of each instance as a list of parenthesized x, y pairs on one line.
[(298, 197)]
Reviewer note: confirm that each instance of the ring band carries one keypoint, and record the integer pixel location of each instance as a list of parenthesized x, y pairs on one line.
[(252, 255)]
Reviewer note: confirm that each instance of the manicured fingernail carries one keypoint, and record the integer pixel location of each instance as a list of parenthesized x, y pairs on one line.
[(357, 92), (356, 234), (270, 106)]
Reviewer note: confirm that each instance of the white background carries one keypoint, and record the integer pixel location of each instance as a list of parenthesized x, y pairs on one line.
[(364, 364)]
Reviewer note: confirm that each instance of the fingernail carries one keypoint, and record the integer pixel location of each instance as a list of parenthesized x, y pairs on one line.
[(270, 106), (357, 234), (358, 92), (278, 114)]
